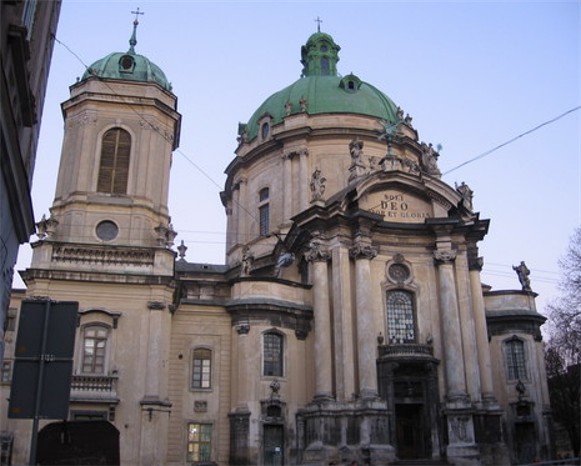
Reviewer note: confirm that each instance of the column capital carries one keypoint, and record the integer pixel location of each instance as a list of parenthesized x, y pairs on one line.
[(317, 251), (238, 182), (362, 251), (444, 257), (289, 154)]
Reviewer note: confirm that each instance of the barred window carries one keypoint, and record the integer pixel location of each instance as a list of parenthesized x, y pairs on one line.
[(202, 368), (95, 339), (401, 326), (272, 354), (114, 168), (514, 351), (199, 442)]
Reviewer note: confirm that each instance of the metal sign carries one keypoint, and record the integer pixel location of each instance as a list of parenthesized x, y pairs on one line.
[(43, 360)]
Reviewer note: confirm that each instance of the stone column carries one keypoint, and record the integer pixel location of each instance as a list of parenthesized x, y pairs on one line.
[(451, 337), (366, 328), (287, 186), (318, 256), (241, 203), (475, 266), (243, 389), (303, 180), (343, 324)]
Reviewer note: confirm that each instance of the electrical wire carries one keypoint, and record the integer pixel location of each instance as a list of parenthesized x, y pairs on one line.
[(494, 149)]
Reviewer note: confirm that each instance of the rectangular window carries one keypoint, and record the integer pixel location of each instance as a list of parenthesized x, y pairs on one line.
[(199, 442), (272, 347), (264, 212), (201, 370), (94, 349), (264, 219), (515, 360)]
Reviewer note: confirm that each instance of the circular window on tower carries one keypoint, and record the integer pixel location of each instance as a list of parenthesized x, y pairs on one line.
[(126, 63), (107, 230)]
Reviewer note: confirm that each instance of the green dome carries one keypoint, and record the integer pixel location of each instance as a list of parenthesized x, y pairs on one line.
[(321, 90), (128, 66)]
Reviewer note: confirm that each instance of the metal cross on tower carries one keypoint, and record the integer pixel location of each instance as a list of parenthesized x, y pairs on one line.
[(318, 21)]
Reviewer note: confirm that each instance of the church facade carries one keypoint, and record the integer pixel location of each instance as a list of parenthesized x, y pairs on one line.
[(348, 322)]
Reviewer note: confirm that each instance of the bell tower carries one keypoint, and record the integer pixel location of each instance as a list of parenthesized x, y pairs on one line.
[(107, 244), (121, 125)]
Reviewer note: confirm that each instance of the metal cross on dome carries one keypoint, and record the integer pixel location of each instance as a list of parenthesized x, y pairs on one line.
[(137, 13)]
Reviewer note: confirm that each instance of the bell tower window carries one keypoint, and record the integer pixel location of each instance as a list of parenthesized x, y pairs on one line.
[(114, 167)]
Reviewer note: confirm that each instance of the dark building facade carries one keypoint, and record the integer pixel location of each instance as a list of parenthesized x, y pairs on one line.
[(27, 30)]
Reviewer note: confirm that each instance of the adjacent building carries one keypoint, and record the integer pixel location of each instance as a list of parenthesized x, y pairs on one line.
[(348, 322), (27, 30)]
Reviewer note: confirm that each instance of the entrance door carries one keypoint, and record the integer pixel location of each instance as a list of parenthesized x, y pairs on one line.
[(273, 445), (525, 442), (409, 430)]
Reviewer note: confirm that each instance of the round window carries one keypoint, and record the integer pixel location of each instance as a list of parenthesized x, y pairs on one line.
[(126, 62), (107, 230), (399, 272)]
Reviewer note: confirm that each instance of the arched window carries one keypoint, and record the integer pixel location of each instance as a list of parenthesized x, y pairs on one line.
[(95, 340), (202, 368), (114, 168), (272, 348), (401, 325), (514, 353), (264, 212)]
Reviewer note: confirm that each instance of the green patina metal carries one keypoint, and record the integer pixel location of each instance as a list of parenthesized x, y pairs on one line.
[(128, 66), (320, 90)]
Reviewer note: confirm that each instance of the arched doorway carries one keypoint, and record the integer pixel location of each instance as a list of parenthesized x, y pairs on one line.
[(79, 443)]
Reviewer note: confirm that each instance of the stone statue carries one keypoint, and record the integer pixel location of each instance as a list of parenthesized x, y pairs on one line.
[(523, 273), (303, 104), (247, 261), (288, 108), (466, 193), (356, 150), (317, 185), (430, 159)]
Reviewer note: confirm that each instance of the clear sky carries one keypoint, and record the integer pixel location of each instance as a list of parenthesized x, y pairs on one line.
[(473, 75)]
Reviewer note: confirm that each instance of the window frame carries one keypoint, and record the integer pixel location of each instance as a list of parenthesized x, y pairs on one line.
[(392, 335), (105, 352), (193, 367), (198, 457), (278, 365), (264, 211), (515, 363), (113, 173)]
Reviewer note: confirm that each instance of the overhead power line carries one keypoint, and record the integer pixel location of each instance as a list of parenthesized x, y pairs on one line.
[(494, 149)]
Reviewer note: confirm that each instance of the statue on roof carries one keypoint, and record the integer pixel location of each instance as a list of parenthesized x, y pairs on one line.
[(523, 273)]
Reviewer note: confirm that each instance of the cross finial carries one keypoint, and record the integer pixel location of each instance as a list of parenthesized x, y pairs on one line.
[(318, 21), (137, 13), (133, 39)]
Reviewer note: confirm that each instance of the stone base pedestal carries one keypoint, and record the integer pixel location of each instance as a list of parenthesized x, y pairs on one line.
[(342, 432)]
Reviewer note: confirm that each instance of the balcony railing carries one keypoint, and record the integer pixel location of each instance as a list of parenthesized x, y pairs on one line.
[(88, 387), (406, 351)]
